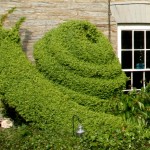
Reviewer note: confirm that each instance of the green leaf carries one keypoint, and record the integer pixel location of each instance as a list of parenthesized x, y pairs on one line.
[(141, 106)]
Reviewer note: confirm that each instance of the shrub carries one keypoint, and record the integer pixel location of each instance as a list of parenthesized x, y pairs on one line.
[(134, 106), (48, 112), (41, 104), (79, 57), (90, 102)]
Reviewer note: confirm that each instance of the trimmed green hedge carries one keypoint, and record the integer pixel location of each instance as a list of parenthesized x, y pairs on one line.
[(79, 57), (90, 102), (48, 112), (46, 109)]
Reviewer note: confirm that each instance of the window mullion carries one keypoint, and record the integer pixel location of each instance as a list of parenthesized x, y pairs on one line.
[(144, 58), (132, 49), (132, 59), (132, 80), (145, 49), (144, 79)]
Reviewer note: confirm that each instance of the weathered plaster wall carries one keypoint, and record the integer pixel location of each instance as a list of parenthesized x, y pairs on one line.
[(42, 15)]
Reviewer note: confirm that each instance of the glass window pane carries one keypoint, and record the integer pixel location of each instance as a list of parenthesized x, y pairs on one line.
[(139, 39), (126, 58), (139, 59), (138, 80), (126, 39), (147, 77), (147, 39), (148, 59), (128, 83)]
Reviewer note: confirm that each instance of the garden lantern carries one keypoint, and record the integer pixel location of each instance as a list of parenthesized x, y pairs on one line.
[(80, 130)]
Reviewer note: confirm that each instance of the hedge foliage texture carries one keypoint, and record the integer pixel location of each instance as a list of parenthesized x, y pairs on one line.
[(49, 112), (79, 57)]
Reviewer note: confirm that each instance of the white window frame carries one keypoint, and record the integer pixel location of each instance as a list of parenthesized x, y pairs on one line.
[(136, 28)]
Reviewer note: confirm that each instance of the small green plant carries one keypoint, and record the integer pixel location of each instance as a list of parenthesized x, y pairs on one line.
[(4, 16), (13, 33), (133, 107)]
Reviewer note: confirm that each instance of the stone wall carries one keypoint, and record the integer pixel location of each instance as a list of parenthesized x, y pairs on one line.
[(42, 15)]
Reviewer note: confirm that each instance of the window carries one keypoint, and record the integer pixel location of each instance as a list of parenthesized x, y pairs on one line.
[(134, 54)]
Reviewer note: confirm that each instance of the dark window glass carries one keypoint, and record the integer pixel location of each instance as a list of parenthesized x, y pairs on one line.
[(148, 59), (139, 59), (138, 80), (148, 39), (126, 59), (128, 83), (126, 39), (147, 77), (139, 40)]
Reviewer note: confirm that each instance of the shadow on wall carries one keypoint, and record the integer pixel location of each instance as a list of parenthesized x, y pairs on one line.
[(25, 38)]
